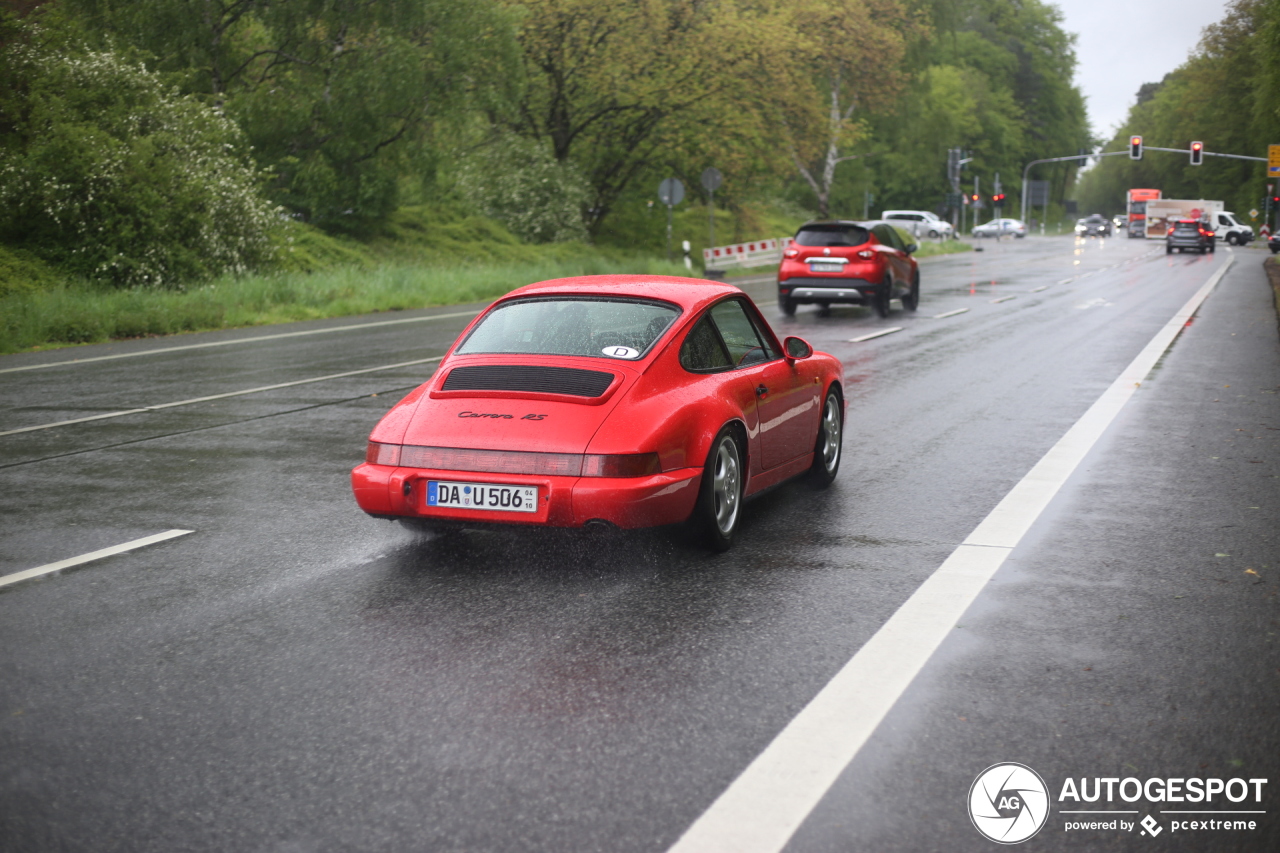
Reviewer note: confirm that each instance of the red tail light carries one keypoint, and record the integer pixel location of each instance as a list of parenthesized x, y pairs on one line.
[(791, 253), (514, 462), (866, 254), (629, 465), (382, 454)]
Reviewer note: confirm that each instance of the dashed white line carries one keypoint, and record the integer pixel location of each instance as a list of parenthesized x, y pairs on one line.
[(253, 340), (91, 556), (1002, 299), (1038, 289), (1067, 280), (878, 334), (257, 390), (766, 804), (947, 314)]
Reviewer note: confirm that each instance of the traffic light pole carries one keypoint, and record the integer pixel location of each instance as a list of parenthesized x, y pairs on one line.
[(1204, 153)]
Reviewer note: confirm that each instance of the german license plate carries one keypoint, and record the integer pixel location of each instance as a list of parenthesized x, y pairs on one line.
[(486, 496), (826, 267)]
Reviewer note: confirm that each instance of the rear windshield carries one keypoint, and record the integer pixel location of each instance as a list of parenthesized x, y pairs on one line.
[(603, 328), (831, 235), (1187, 226)]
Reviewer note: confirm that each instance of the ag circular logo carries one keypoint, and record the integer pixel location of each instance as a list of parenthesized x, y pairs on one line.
[(1008, 803)]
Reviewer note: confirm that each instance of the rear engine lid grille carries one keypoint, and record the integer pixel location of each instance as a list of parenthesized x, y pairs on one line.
[(534, 379)]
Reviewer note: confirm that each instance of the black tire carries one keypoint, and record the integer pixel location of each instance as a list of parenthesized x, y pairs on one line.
[(824, 309), (788, 305), (911, 299), (828, 447), (719, 509), (1168, 250), (880, 302)]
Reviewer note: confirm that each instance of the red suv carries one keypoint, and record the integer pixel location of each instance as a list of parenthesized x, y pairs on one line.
[(864, 263)]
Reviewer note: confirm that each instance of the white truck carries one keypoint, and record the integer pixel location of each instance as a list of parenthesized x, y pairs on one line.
[(1231, 229), (1161, 213)]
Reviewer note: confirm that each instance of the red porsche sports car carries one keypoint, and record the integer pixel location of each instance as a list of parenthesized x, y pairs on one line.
[(628, 401)]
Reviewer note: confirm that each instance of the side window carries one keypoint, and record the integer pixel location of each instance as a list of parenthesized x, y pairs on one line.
[(739, 333), (702, 350), (887, 235)]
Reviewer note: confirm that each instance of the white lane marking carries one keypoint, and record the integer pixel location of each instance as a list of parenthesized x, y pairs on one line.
[(1038, 289), (1067, 280), (1002, 299), (766, 804), (77, 361), (1093, 303), (91, 556), (878, 334), (259, 389), (949, 314)]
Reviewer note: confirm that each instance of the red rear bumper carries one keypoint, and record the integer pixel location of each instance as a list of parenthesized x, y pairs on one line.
[(629, 502)]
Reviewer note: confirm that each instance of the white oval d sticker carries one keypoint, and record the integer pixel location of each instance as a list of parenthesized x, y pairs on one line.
[(621, 352)]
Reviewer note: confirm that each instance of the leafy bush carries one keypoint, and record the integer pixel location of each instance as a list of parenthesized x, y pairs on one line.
[(113, 175), (517, 182)]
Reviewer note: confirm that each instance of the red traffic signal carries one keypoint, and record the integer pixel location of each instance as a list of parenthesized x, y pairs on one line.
[(1135, 147), (1197, 153)]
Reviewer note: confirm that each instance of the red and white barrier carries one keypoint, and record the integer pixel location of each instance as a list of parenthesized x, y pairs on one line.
[(755, 254)]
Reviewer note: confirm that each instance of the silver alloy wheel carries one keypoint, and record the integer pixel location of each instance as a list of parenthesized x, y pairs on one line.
[(831, 433), (725, 487)]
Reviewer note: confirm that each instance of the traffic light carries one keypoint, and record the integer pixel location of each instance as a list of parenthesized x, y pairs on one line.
[(1197, 153), (1135, 147)]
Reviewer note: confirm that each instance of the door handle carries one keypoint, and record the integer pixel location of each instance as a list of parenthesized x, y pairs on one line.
[(761, 391)]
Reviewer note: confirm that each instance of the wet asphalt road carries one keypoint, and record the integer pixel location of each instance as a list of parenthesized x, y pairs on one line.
[(294, 676)]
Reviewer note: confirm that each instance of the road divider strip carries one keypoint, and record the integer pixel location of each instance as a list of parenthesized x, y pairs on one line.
[(949, 314), (27, 574), (767, 803), (878, 334), (258, 390), (253, 340)]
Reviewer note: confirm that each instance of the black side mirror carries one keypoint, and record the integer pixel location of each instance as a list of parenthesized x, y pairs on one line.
[(797, 348), (911, 247)]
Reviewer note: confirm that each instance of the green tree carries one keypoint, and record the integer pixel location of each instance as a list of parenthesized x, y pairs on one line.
[(109, 172), (339, 98)]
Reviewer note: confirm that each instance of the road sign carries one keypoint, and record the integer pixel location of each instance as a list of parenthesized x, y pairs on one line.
[(1273, 160), (1253, 213), (711, 179), (671, 191)]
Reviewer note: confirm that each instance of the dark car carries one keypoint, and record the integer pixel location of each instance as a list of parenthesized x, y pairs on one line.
[(1094, 225), (1185, 234), (1273, 242), (838, 261)]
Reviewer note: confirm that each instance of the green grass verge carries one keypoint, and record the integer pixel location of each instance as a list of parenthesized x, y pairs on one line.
[(932, 248), (78, 313)]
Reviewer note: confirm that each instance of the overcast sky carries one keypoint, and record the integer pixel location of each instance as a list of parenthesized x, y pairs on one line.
[(1121, 44)]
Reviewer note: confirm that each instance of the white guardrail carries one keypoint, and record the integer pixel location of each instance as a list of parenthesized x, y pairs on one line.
[(754, 254)]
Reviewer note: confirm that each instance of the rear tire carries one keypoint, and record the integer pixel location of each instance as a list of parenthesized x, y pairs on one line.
[(880, 302), (827, 449), (788, 306), (719, 507), (911, 300)]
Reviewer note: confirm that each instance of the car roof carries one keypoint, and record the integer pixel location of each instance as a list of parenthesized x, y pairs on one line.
[(688, 293)]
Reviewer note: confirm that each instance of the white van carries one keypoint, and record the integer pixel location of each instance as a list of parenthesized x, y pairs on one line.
[(1231, 229), (919, 223)]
